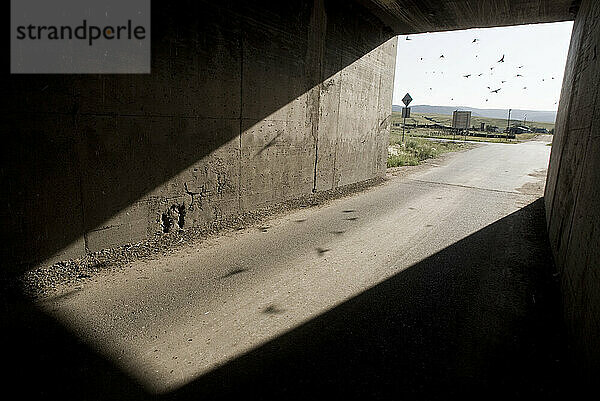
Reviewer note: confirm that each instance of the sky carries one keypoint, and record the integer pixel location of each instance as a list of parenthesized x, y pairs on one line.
[(540, 50)]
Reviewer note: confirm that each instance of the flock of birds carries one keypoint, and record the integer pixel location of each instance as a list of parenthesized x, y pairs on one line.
[(501, 60)]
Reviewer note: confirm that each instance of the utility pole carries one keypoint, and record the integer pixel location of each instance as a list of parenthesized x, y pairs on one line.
[(508, 124)]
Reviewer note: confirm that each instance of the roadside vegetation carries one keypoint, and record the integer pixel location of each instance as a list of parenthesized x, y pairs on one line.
[(445, 120), (421, 145), (416, 149)]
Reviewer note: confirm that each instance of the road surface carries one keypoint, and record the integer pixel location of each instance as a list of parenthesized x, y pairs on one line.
[(436, 283)]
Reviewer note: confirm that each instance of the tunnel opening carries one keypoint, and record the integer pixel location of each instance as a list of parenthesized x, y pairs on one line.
[(478, 85)]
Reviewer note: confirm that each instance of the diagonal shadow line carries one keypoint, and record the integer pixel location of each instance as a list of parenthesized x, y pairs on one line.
[(480, 317), (84, 147)]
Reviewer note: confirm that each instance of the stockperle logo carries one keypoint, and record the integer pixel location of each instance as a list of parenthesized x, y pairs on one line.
[(80, 36)]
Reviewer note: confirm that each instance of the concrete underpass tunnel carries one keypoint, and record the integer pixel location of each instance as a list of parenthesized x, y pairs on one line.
[(248, 105)]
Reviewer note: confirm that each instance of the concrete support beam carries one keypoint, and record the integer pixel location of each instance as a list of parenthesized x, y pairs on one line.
[(411, 16)]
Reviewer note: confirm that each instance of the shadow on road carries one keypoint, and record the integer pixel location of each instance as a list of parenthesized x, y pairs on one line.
[(479, 318)]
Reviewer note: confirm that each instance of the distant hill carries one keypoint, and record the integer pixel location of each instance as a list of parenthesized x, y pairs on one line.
[(532, 115)]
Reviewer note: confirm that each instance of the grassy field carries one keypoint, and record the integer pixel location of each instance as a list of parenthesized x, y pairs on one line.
[(396, 135), (415, 150), (417, 118)]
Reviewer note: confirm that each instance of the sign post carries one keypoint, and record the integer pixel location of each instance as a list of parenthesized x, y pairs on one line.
[(405, 112), (508, 124)]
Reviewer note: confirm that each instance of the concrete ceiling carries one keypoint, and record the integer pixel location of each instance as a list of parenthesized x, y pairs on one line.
[(417, 16)]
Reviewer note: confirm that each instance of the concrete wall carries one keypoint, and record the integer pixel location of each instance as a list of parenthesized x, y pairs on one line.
[(247, 104), (573, 189)]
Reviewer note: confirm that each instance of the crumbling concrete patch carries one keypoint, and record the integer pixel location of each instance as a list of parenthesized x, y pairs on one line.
[(173, 218)]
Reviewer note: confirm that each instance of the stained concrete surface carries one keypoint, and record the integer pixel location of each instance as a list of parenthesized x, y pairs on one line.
[(420, 287), (247, 104), (573, 192)]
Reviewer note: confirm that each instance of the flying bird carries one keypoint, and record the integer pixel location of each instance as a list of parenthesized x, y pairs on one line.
[(518, 75), (486, 100), (442, 56), (475, 40), (489, 87), (524, 87), (502, 81), (502, 59), (520, 66), (491, 68), (321, 251), (496, 90), (479, 74), (467, 76)]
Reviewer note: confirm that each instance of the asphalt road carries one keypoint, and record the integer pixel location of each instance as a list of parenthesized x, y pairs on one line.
[(437, 283)]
